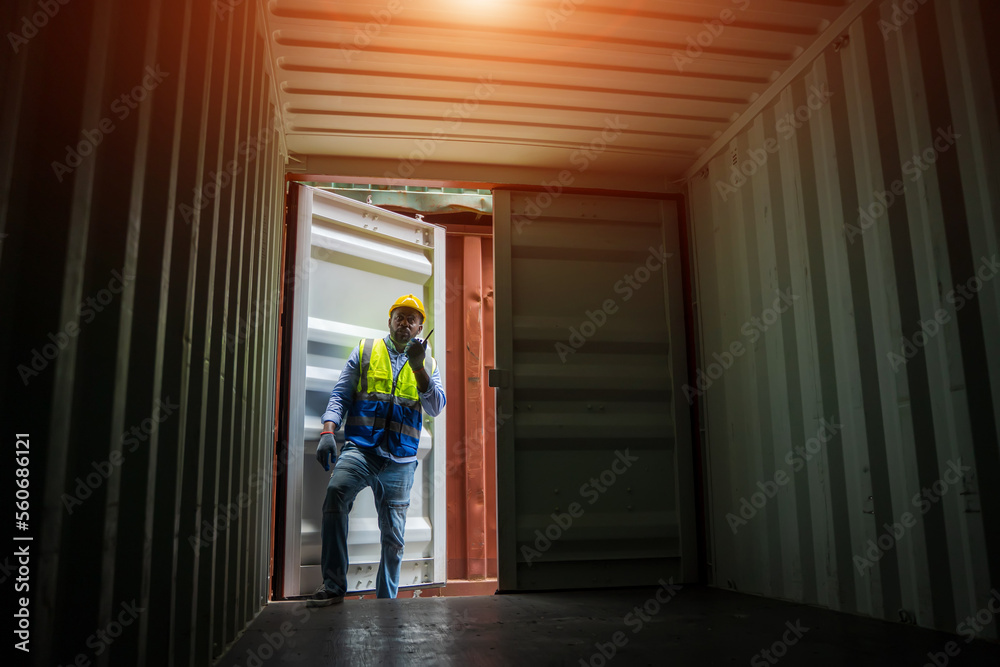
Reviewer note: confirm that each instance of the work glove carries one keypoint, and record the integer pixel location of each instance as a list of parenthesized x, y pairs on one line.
[(327, 449), (416, 352)]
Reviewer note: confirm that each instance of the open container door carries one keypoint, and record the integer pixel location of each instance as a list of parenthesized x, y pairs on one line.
[(595, 485), (354, 260)]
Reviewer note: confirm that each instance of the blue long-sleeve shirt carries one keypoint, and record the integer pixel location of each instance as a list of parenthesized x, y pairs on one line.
[(432, 401)]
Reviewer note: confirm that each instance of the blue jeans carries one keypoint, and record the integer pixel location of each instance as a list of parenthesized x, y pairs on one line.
[(391, 483)]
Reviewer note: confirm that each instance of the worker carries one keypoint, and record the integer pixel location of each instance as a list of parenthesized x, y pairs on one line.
[(386, 386)]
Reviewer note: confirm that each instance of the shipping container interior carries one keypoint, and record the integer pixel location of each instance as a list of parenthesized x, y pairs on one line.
[(712, 283)]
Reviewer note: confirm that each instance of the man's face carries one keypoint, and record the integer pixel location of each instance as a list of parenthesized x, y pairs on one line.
[(405, 323)]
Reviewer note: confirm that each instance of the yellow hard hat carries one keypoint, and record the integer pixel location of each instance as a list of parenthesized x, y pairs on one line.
[(410, 301)]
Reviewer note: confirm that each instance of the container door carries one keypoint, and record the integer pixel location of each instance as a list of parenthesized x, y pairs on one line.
[(353, 261), (594, 465)]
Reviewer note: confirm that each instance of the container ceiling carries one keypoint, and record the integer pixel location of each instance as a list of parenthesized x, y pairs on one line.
[(527, 83)]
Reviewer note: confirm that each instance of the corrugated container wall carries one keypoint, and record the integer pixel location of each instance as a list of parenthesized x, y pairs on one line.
[(142, 234), (849, 313)]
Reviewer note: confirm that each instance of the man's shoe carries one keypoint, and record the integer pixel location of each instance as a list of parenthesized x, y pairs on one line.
[(323, 597)]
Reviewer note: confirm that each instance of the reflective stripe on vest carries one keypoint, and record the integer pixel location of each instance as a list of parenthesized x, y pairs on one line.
[(386, 411), (379, 424)]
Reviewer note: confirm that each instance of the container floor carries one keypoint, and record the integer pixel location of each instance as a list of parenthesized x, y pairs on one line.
[(693, 625)]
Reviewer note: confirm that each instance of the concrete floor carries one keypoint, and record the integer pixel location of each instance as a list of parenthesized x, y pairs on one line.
[(655, 626)]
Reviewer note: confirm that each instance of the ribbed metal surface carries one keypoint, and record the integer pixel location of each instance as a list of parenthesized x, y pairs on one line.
[(849, 316), (593, 465), (392, 87), (141, 259)]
